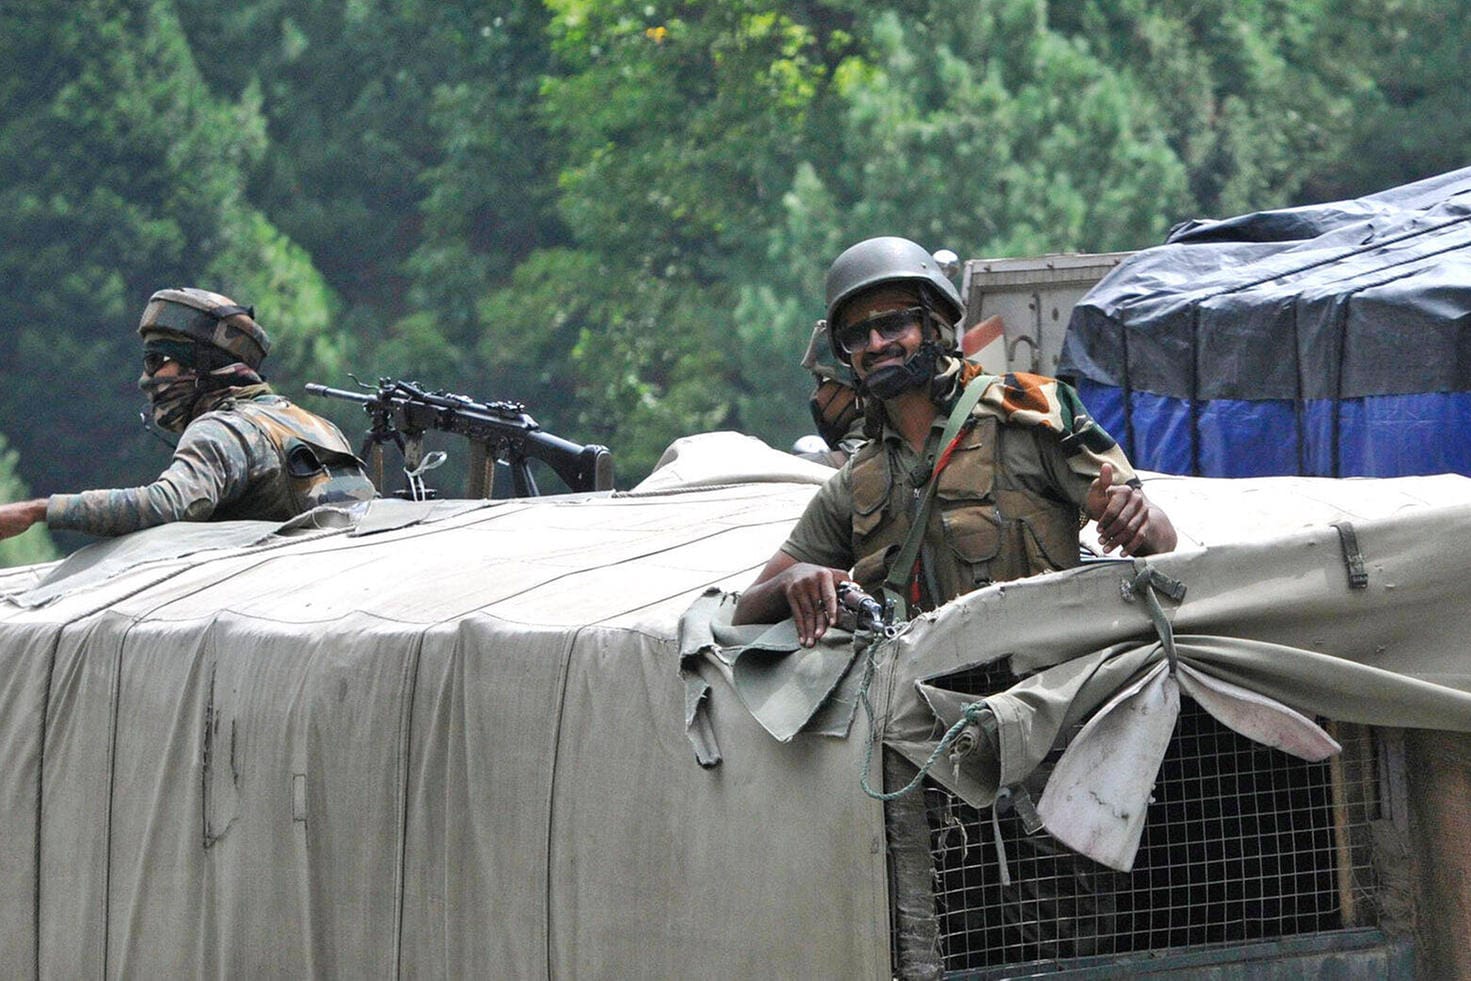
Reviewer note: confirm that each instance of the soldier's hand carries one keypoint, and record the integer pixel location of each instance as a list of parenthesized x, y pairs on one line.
[(20, 515), (787, 588), (811, 592), (1122, 513)]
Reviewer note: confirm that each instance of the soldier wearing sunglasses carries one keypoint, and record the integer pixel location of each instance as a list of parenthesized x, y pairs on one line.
[(243, 452), (1001, 470)]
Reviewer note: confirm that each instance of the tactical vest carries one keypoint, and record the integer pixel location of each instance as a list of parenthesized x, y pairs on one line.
[(319, 465), (993, 531)]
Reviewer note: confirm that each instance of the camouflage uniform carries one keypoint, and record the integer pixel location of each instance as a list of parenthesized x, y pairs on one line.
[(254, 455), (1009, 502)]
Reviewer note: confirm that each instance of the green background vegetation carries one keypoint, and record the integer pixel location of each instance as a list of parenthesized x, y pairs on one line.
[(620, 212)]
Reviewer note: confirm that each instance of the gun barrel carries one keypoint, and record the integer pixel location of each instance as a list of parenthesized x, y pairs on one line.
[(312, 388), (868, 611)]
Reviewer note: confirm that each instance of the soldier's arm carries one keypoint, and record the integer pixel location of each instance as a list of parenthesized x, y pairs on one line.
[(1101, 481), (17, 516), (801, 579), (210, 466), (802, 590)]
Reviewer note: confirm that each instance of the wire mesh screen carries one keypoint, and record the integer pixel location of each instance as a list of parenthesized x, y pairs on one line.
[(1242, 843)]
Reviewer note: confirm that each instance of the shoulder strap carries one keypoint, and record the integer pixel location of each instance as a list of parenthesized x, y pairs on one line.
[(901, 569)]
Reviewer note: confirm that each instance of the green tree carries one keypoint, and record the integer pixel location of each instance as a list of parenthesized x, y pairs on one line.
[(973, 127), (1256, 96), (35, 544), (1413, 122), (1004, 138), (123, 175), (620, 212), (406, 156), (680, 127)]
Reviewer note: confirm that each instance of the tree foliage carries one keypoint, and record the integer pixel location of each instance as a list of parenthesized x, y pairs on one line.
[(1411, 123), (1255, 96), (621, 212), (124, 174), (35, 544)]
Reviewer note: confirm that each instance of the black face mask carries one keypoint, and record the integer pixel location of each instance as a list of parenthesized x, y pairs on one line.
[(918, 371)]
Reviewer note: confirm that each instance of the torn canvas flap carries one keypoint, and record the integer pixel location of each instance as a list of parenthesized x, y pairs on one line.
[(705, 630), (326, 517), (974, 773), (1098, 793), (696, 641), (391, 513), (834, 717), (1257, 717), (1029, 717), (697, 725), (1322, 685), (696, 624), (1095, 797), (786, 688)]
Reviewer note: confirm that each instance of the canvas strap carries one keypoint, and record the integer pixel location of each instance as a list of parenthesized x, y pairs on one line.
[(901, 570)]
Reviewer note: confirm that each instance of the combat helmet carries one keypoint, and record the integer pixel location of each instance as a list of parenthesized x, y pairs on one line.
[(890, 259), (207, 318)]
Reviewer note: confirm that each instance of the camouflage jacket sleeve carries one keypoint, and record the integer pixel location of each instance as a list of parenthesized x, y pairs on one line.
[(212, 465)]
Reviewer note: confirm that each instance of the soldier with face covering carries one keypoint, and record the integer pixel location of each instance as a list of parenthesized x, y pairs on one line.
[(1002, 470), (243, 451)]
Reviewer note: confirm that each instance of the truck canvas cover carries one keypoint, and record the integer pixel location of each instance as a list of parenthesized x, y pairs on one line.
[(464, 738), (1328, 340)]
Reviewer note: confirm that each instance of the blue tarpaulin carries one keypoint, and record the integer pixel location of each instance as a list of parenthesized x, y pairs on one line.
[(1327, 340)]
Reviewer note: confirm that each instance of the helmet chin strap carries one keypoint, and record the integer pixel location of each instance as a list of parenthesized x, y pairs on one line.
[(892, 381)]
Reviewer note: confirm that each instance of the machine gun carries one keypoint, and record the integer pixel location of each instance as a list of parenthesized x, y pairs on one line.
[(498, 432)]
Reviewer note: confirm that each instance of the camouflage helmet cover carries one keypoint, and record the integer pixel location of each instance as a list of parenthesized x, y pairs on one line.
[(210, 318), (892, 260)]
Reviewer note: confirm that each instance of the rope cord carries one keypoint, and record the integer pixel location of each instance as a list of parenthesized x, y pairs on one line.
[(968, 717), (1143, 586)]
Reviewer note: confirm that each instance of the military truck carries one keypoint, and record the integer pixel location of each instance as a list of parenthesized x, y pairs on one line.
[(519, 738), (514, 738)]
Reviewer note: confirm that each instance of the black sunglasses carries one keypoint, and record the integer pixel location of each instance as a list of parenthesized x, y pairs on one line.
[(853, 338), (154, 360)]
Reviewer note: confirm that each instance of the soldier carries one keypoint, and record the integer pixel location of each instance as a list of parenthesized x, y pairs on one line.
[(1010, 464), (243, 452), (834, 406)]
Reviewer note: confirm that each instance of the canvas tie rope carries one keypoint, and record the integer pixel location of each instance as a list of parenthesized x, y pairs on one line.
[(1146, 580), (968, 717)]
